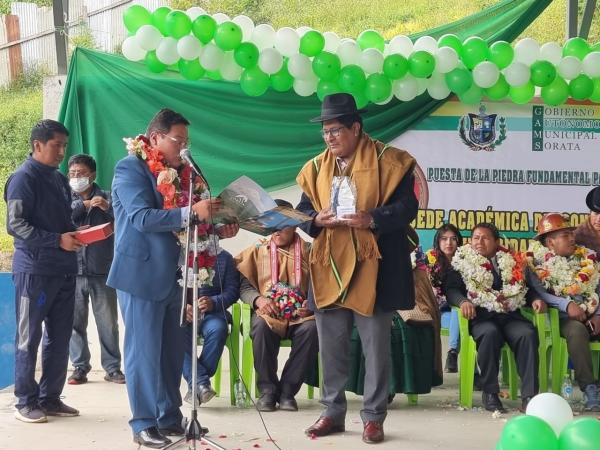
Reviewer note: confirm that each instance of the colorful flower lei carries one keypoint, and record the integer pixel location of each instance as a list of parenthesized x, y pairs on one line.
[(435, 275), (418, 260), (174, 185), (575, 277), (287, 299), (476, 272)]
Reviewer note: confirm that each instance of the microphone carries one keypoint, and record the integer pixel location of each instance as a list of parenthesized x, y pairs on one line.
[(186, 156)]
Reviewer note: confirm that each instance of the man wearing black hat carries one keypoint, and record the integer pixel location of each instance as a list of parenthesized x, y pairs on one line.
[(588, 233), (359, 192)]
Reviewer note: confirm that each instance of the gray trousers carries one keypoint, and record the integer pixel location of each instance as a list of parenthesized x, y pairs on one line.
[(578, 345), (335, 330)]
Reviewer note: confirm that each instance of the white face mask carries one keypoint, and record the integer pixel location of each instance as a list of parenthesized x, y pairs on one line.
[(79, 184)]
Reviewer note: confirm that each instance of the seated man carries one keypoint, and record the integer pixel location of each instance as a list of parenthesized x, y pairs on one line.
[(278, 261), (212, 301), (576, 298), (483, 285)]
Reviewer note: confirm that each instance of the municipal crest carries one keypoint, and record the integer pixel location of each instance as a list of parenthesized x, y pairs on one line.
[(482, 131)]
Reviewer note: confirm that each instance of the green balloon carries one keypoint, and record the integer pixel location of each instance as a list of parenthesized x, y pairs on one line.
[(246, 55), (159, 19), (178, 24), (421, 64), (361, 99), (471, 96), (395, 66), (499, 90), (522, 94), (282, 81), (214, 75), (501, 54), (135, 16), (153, 64), (581, 88), (542, 73), (528, 433), (352, 79), (475, 50), (459, 80), (228, 36), (327, 88), (378, 88), (556, 93), (595, 97), (254, 82), (452, 41), (577, 47), (326, 66), (312, 43), (204, 28), (371, 39), (580, 434), (191, 70)]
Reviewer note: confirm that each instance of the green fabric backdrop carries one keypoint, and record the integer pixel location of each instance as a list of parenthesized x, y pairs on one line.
[(267, 138)]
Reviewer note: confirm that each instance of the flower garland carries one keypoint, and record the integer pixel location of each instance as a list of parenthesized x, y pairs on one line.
[(174, 185), (575, 277), (476, 272), (435, 276), (418, 259), (287, 299)]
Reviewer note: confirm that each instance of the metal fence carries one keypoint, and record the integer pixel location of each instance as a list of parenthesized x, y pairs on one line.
[(27, 40)]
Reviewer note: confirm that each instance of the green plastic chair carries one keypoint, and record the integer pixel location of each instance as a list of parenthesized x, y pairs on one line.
[(541, 321)]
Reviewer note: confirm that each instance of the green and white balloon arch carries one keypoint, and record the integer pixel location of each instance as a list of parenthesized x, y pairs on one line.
[(215, 46)]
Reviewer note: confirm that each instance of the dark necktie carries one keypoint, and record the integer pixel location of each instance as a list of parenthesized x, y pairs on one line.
[(497, 283)]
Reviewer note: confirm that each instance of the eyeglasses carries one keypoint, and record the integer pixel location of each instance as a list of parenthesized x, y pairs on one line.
[(78, 174), (181, 144), (333, 132)]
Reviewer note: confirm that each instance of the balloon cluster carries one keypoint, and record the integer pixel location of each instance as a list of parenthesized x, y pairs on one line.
[(549, 425), (371, 69)]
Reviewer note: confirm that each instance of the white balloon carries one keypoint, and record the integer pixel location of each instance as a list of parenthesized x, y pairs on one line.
[(229, 69), (304, 88), (552, 52), (569, 67), (517, 74), (422, 85), (287, 41), (300, 67), (263, 36), (552, 409), (426, 43), (486, 74), (401, 44), (349, 53), (247, 26), (303, 30), (446, 59), (405, 88), (527, 51), (189, 47), (166, 52), (194, 12), (220, 18), (371, 60), (212, 57), (131, 50), (437, 87), (332, 41), (148, 37), (270, 61), (591, 64)]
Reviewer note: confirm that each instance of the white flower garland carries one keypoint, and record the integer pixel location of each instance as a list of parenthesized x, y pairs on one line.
[(476, 272)]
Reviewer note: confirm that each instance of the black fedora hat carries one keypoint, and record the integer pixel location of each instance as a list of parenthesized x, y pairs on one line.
[(337, 105), (593, 199)]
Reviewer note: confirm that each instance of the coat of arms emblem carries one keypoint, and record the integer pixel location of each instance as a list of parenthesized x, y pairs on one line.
[(482, 131)]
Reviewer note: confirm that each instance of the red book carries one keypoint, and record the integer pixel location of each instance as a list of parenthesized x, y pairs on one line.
[(95, 234)]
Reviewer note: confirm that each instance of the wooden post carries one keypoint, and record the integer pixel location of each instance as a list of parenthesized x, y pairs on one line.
[(15, 60)]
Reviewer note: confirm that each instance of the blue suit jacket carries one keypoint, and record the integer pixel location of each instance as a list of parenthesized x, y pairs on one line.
[(146, 250)]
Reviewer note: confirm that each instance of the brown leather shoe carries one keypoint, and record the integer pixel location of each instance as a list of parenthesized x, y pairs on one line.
[(373, 432), (323, 427)]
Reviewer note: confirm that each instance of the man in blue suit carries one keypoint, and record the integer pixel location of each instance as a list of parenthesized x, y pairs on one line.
[(144, 272)]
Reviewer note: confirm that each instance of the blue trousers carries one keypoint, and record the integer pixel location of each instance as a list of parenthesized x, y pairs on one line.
[(153, 358), (49, 300), (213, 330), (450, 321)]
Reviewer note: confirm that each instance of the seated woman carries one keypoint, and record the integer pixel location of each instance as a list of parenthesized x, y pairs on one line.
[(445, 242)]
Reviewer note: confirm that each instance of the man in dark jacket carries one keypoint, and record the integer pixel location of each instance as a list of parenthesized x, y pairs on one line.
[(44, 267), (360, 194), (91, 206)]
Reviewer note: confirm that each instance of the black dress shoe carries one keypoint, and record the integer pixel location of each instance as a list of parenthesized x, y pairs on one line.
[(491, 402), (451, 361), (266, 403), (288, 404), (151, 437), (524, 402)]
